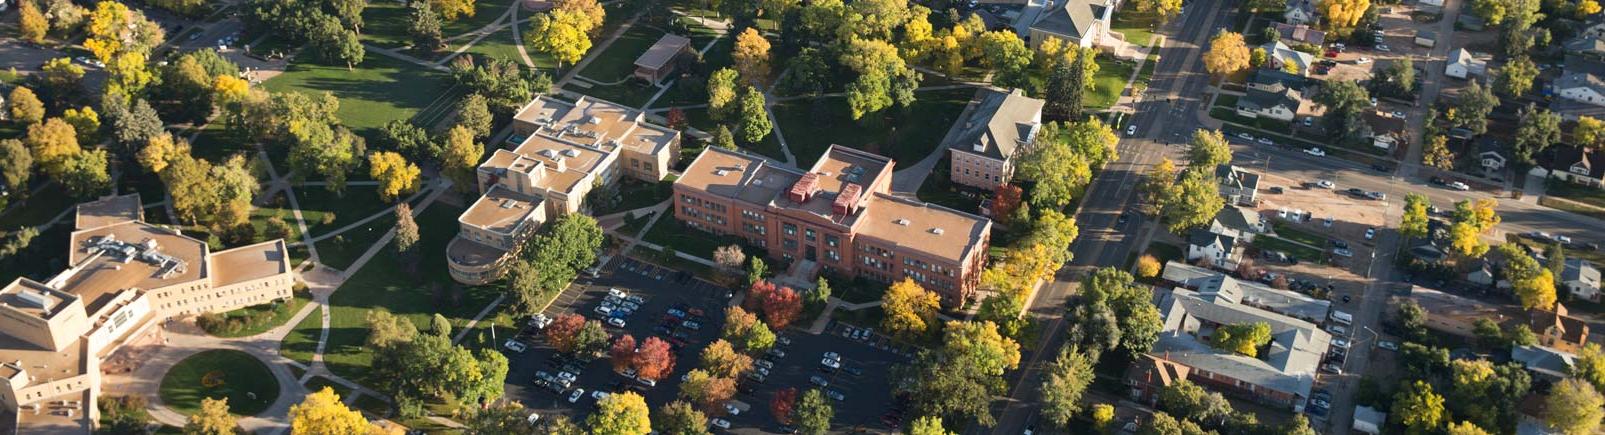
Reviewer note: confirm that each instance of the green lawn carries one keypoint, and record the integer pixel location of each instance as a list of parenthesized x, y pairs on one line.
[(282, 312), (385, 283), (355, 204), (1577, 192), (378, 90), (630, 93), (1286, 231), (385, 22), (633, 194), (618, 61), (811, 126), (342, 250), (1305, 253), (670, 232), (40, 208), (1571, 207), (217, 374), (317, 383), (1109, 82), (768, 147), (1138, 27), (940, 189)]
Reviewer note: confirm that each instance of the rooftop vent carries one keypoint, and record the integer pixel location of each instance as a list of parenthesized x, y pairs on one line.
[(593, 119), (901, 221), (936, 231), (720, 172), (36, 299), (547, 154), (571, 152), (508, 203), (805, 188)]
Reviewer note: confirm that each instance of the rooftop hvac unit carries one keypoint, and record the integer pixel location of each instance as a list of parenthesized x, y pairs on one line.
[(547, 154), (901, 221), (593, 119), (571, 152), (36, 299), (720, 172), (936, 231)]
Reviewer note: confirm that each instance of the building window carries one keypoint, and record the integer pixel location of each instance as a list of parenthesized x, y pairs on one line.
[(789, 229), (808, 234), (832, 241)]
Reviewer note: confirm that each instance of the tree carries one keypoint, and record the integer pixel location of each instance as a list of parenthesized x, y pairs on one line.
[(754, 118), (1397, 78), (335, 43), (909, 308), (213, 418), (928, 426), (680, 418), (593, 11), (506, 418), (1556, 257), (1466, 241), (722, 93), (124, 414), (452, 9), (783, 403), (591, 338), (1343, 14), (655, 360), (1535, 130), (1102, 415), (723, 138), (322, 413), (707, 391), (25, 107), (729, 256), (424, 26), (821, 294), (1437, 154), (439, 325), (86, 173), (16, 165), (1574, 407), (1534, 286), (562, 332), (620, 414), (1243, 339), (961, 377), (1208, 149), (473, 112), (31, 24), (1258, 55), (1065, 87), (1418, 408), (562, 33), (1004, 310), (1008, 57), (406, 229), (461, 156), (1067, 378), (1191, 402), (114, 29), (136, 125), (1471, 107), (1466, 428), (1586, 8), (1165, 9), (1227, 53), (1590, 365), (395, 175), (1195, 201), (1413, 224), (756, 269), (1157, 185), (1345, 103), (622, 353), (721, 359), (1589, 131), (814, 413), (1163, 424), (780, 305), (751, 56), (53, 143), (1516, 77)]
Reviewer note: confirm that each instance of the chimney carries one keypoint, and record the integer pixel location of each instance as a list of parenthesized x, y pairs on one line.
[(804, 189), (847, 202)]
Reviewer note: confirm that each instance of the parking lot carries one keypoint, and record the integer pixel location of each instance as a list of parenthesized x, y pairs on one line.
[(862, 382)]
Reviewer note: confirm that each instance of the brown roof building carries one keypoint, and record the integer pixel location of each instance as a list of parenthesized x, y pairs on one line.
[(1559, 330), (658, 60), (125, 277), (1149, 375), (836, 217), (560, 153)]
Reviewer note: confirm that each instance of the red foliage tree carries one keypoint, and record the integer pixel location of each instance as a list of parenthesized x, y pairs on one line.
[(756, 294), (1006, 201), (781, 307), (676, 118), (622, 354), (782, 404), (655, 360), (562, 331)]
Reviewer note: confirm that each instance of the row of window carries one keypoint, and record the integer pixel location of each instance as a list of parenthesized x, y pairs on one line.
[(688, 199)]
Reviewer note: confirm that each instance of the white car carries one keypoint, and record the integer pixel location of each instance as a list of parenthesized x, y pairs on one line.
[(515, 346), (604, 309), (1265, 141), (616, 322), (616, 293), (1563, 239), (1383, 48), (1245, 136), (1459, 186), (732, 409), (764, 363), (827, 362), (575, 397), (720, 423), (566, 376), (833, 356), (1337, 330), (1340, 343), (534, 418), (1131, 130), (1315, 151), (1362, 61), (540, 321), (599, 394), (1324, 184), (1370, 233)]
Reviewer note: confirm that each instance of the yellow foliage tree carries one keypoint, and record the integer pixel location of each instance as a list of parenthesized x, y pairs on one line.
[(1227, 53), (751, 56), (593, 11), (85, 121), (230, 89), (1343, 14), (322, 413), (562, 33), (395, 174), (1589, 131), (620, 414), (1437, 154), (909, 308), (1148, 266), (1586, 8), (160, 151), (460, 156), (450, 10), (31, 24), (213, 419), (52, 144)]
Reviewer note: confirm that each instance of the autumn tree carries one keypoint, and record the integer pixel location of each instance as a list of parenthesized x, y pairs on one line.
[(1066, 379), (213, 418), (654, 361), (620, 414), (751, 56), (928, 426), (1008, 57), (1574, 407), (406, 229), (721, 359), (1343, 15), (1243, 339), (961, 377), (461, 156), (396, 176), (722, 94), (680, 418), (1437, 153), (1413, 223), (1227, 53), (622, 353), (452, 9), (322, 413), (16, 165), (31, 24), (24, 106), (1005, 200), (1418, 408), (780, 305), (1534, 285), (909, 308), (53, 143), (1516, 76), (561, 33), (1590, 365), (1589, 131), (706, 391), (782, 404), (563, 330), (1148, 266)]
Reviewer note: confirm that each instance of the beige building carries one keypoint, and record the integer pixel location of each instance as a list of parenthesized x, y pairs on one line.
[(561, 153), (126, 276), (1002, 125)]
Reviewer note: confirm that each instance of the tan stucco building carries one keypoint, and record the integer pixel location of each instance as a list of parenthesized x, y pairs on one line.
[(1001, 126), (125, 277), (561, 153), (835, 217)]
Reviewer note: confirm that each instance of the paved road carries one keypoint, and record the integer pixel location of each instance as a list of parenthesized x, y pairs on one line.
[(1163, 117)]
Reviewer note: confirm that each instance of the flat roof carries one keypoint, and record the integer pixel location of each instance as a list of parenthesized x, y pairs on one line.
[(43, 365), (596, 123), (923, 227), (663, 51), (737, 175), (837, 168), (53, 419), (500, 210), (108, 210), (102, 276), (12, 296), (247, 263), (470, 253)]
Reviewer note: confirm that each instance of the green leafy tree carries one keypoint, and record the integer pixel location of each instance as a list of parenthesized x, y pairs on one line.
[(755, 124), (1208, 149), (1516, 77), (1194, 201), (1192, 403), (679, 417), (1064, 89), (16, 165), (1242, 338), (1345, 103), (1574, 407), (722, 94), (1418, 408), (1413, 223), (928, 426), (1067, 378), (1535, 130), (1008, 57), (1590, 365), (473, 112), (424, 26), (961, 377), (1471, 107), (1534, 286), (814, 413)]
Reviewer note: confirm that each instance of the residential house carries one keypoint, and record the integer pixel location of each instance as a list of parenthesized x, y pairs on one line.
[(1581, 165), (1462, 65), (1221, 249), (659, 60), (1210, 283), (1081, 23), (125, 278), (1367, 419), (1482, 275), (1387, 131), (1588, 46), (1148, 376), (983, 154), (1238, 186), (564, 152), (1279, 54), (1299, 12), (1581, 93), (1457, 315), (1581, 279), (1594, 26), (1246, 221), (1471, 22), (1281, 106), (1547, 363), (1558, 329), (1426, 38), (1281, 374), (1300, 33), (1276, 81), (838, 217)]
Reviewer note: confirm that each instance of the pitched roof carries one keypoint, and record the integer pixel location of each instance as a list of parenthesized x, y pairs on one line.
[(1581, 271), (1072, 18), (1256, 100), (1464, 57), (1204, 237), (1277, 79), (1281, 52), (1567, 157), (1306, 6), (1301, 33), (1572, 329), (1241, 219), (1000, 124), (1585, 43), (1288, 365), (1206, 281), (1236, 177), (1573, 80), (1544, 360), (1154, 371)]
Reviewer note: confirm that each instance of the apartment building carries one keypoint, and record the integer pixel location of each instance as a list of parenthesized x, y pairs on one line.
[(560, 153), (1000, 126), (125, 277), (836, 217)]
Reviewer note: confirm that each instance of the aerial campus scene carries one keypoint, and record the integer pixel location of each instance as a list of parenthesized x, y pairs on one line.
[(923, 217)]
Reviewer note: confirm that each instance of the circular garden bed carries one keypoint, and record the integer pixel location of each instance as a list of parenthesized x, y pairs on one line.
[(247, 383)]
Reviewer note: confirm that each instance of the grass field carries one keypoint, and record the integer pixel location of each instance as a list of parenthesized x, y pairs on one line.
[(1303, 253), (40, 207), (342, 250), (811, 126), (633, 194), (355, 204), (280, 316), (378, 90), (218, 374), (1138, 28), (385, 283), (1286, 231), (671, 233), (1109, 82), (1576, 192), (618, 61)]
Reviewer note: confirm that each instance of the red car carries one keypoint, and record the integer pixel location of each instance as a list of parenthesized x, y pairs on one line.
[(1331, 53)]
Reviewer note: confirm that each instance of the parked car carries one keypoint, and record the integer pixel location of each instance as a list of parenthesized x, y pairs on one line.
[(599, 394), (834, 364), (1315, 151), (776, 353), (515, 346), (540, 321), (1131, 130), (1362, 61), (692, 325), (1332, 368), (764, 363), (720, 423), (818, 380), (1245, 136), (835, 394), (576, 395), (1383, 48), (1337, 330), (1459, 186), (1370, 233), (1379, 196), (1324, 184), (1265, 141), (1389, 345), (616, 322)]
